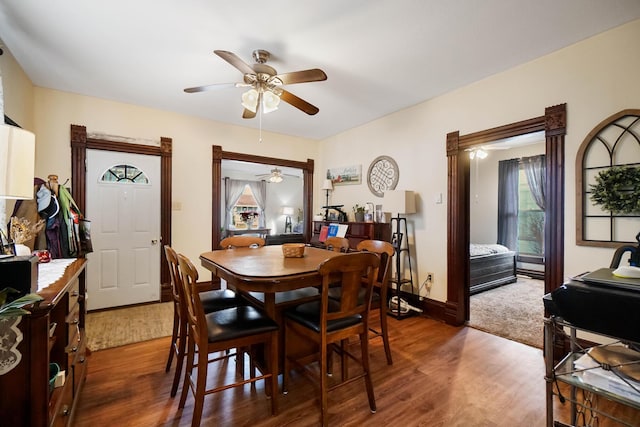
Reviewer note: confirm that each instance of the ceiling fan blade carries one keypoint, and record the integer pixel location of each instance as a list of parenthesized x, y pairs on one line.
[(299, 103), (234, 60), (216, 86), (312, 75), (248, 114)]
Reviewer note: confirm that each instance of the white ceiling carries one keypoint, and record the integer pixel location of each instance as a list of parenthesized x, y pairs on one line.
[(380, 56)]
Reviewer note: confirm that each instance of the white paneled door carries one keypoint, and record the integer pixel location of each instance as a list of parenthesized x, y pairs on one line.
[(123, 204)]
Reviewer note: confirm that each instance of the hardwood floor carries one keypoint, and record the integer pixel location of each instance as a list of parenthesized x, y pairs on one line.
[(441, 376)]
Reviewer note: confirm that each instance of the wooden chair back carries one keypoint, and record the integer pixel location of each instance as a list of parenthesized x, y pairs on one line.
[(172, 260), (241, 241), (337, 244), (347, 272), (188, 277), (385, 251)]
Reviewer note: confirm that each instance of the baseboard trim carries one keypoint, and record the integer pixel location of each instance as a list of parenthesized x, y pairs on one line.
[(434, 309)]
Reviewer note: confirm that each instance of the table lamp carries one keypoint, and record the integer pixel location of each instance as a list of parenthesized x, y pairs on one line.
[(17, 166), (327, 186)]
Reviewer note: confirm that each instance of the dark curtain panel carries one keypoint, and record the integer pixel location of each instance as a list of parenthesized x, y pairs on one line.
[(535, 168), (508, 203)]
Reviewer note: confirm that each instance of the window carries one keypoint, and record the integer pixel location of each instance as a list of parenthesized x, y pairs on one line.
[(125, 174), (530, 220), (245, 211)]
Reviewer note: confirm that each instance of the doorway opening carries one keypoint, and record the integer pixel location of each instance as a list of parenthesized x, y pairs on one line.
[(553, 124)]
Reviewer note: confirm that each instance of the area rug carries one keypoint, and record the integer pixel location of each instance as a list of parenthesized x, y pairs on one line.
[(117, 327), (513, 311)]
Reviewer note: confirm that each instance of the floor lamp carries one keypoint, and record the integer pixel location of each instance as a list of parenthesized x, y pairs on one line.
[(400, 202), (327, 186), (287, 211), (17, 167)]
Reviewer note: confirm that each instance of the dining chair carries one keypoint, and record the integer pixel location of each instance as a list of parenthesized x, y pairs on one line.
[(211, 301), (241, 242), (242, 326), (328, 322), (337, 244), (380, 292)]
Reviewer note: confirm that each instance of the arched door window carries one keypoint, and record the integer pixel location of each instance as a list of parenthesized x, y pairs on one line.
[(613, 144), (127, 174)]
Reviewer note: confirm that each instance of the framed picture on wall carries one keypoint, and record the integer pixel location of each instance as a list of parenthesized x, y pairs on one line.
[(347, 175)]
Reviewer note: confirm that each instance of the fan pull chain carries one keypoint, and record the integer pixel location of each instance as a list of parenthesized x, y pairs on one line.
[(260, 120)]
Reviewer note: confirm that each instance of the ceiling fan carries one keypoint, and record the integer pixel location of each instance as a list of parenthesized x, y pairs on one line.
[(276, 175), (265, 83)]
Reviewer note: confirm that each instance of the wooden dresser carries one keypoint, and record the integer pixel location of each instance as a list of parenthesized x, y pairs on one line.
[(357, 232), (54, 332)]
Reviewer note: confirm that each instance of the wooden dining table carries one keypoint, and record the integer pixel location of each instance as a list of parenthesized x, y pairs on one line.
[(265, 269)]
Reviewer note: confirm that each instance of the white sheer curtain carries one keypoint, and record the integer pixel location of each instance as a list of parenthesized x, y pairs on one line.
[(536, 170), (233, 189), (259, 189)]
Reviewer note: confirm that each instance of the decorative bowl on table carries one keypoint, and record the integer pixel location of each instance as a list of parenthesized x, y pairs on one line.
[(293, 250)]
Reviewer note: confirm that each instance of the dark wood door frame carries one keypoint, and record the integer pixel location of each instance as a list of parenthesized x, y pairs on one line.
[(553, 123), (216, 187), (79, 145)]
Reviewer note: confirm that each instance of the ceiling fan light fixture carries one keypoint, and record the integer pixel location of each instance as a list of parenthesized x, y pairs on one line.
[(479, 153), (270, 101), (275, 179), (250, 100)]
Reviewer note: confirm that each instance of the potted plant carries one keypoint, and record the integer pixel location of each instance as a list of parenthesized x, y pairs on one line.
[(358, 212)]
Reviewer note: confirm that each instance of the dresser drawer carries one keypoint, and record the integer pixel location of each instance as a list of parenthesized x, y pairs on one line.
[(62, 410), (73, 325)]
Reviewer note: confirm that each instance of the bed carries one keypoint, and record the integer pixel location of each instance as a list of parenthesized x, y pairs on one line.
[(491, 266)]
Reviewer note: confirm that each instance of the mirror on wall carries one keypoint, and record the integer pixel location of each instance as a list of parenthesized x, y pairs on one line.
[(255, 167), (283, 209)]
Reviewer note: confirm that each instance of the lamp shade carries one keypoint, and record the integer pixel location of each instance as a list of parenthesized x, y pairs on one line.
[(287, 210), (17, 162), (399, 201), (327, 185)]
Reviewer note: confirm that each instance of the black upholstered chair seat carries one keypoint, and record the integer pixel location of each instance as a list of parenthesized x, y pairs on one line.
[(237, 322), (308, 315), (219, 300)]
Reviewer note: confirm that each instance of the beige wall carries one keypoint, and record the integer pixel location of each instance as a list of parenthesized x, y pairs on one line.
[(17, 91), (596, 78)]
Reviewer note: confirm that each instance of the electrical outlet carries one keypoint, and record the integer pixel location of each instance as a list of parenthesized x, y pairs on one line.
[(430, 277)]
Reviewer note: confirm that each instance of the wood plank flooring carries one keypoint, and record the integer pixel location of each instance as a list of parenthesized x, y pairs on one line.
[(441, 376)]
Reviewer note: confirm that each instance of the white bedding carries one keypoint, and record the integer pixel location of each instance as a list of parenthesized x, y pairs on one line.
[(476, 249)]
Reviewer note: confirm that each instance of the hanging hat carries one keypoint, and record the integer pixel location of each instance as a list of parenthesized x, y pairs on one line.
[(47, 203), (43, 196)]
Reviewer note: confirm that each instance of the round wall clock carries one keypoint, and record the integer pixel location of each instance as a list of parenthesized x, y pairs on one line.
[(383, 175)]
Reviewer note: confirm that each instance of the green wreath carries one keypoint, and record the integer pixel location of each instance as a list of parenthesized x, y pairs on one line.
[(617, 189)]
